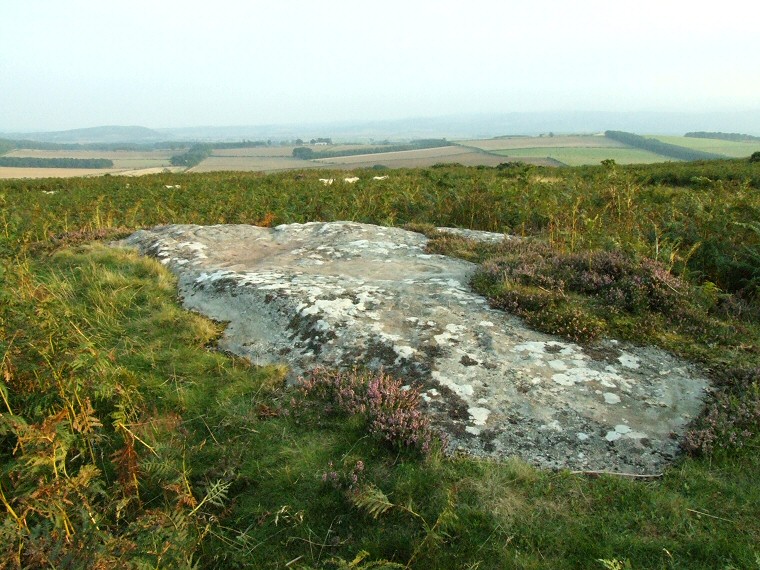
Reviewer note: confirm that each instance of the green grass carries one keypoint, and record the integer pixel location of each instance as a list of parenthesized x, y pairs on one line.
[(125, 442), (733, 149), (583, 156)]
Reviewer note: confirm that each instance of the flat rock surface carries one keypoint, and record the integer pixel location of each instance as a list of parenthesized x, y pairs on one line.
[(340, 294)]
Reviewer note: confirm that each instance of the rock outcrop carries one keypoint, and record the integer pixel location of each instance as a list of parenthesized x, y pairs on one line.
[(343, 294)]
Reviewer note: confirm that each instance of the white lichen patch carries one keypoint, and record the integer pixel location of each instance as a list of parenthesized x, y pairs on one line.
[(553, 425), (533, 347), (462, 390), (610, 398), (405, 352), (556, 364), (628, 360), (613, 435), (478, 415)]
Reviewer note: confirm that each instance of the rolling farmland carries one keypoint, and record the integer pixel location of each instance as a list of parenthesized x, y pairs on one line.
[(251, 164), (122, 159), (578, 156), (732, 149), (570, 150), (7, 172), (415, 158), (575, 150), (571, 141), (125, 163)]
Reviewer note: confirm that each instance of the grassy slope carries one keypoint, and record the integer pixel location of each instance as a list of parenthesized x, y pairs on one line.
[(95, 317), (570, 150), (582, 156), (732, 149)]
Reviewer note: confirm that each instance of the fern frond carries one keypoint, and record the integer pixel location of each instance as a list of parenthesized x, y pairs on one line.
[(371, 499), (217, 493)]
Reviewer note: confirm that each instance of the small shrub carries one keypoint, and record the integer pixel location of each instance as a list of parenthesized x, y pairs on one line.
[(391, 410), (348, 480), (570, 322), (732, 419), (562, 293)]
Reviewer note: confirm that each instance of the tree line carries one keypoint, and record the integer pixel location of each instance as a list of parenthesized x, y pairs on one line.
[(194, 155), (735, 137), (241, 144), (659, 147), (35, 162)]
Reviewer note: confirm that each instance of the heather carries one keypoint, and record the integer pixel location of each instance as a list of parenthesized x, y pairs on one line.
[(391, 412), (126, 441)]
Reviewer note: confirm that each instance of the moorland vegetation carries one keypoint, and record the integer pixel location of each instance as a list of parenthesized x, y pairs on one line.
[(126, 441)]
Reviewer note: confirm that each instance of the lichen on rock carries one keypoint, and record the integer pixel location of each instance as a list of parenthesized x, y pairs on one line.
[(342, 293)]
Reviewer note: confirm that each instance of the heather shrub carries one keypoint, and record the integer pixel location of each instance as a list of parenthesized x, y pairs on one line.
[(575, 294), (569, 321), (391, 411), (613, 278), (344, 479), (732, 418)]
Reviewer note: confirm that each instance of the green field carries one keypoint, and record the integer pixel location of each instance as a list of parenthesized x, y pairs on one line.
[(126, 443), (580, 156), (563, 141), (572, 150), (731, 149)]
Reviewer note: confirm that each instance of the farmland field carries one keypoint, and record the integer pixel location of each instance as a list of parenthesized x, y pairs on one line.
[(122, 159), (251, 163), (576, 141), (573, 150), (18, 172), (284, 150), (732, 149), (272, 159), (8, 172), (258, 151), (260, 159), (416, 158), (577, 156)]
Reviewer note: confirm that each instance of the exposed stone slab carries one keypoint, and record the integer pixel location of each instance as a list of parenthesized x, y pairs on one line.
[(340, 294)]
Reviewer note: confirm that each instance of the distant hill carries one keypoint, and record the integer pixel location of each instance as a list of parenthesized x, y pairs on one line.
[(452, 127), (483, 125), (106, 134)]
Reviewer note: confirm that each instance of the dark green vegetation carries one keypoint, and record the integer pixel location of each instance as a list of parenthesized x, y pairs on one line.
[(659, 147), (738, 137), (34, 162), (241, 144), (194, 155), (126, 443), (306, 153)]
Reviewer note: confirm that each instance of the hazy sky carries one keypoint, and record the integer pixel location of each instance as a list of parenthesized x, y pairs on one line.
[(166, 63)]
